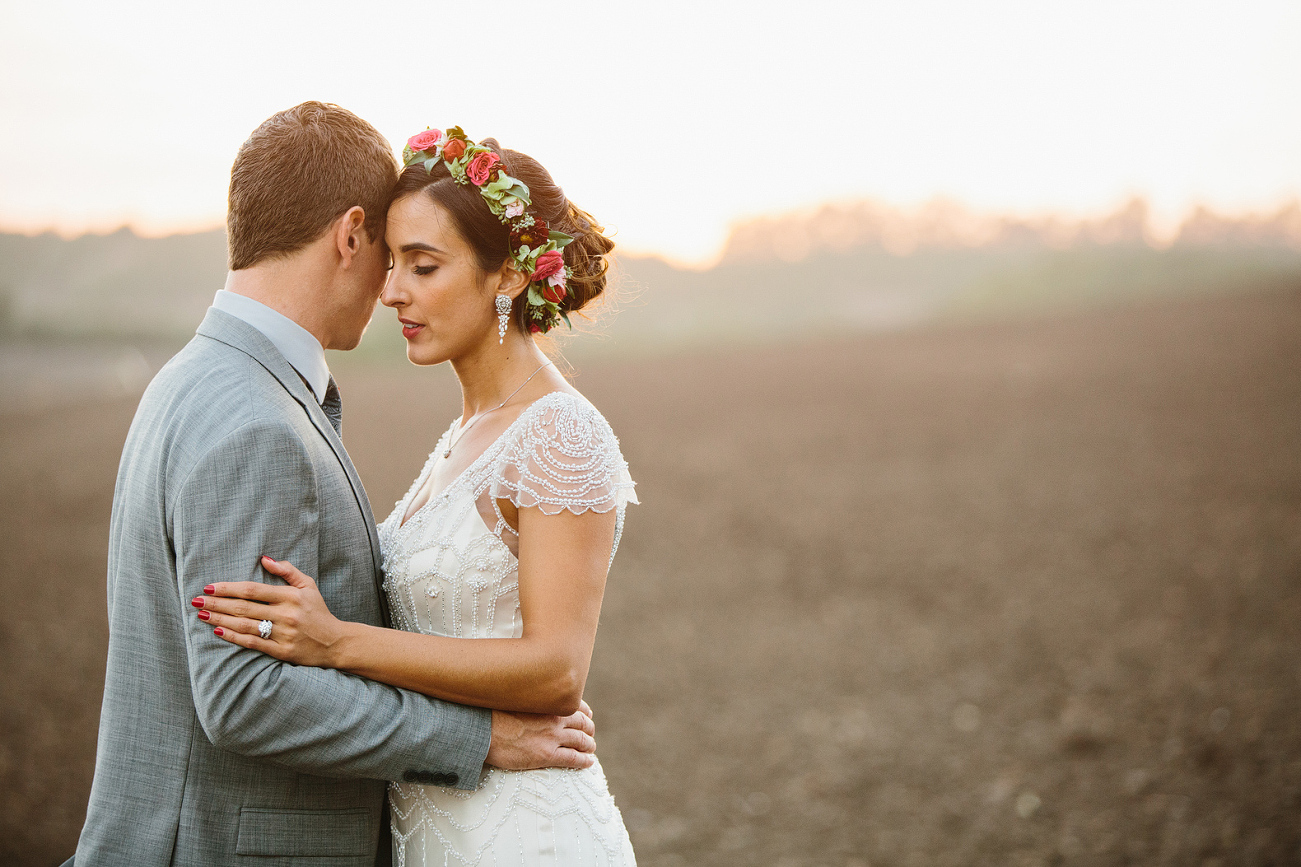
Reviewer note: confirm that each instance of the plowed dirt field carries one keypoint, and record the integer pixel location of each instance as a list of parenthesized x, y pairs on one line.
[(1018, 593)]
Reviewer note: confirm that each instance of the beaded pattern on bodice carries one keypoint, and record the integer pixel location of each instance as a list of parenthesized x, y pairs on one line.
[(448, 572)]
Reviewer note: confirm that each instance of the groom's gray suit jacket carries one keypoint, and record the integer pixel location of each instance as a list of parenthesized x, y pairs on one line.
[(210, 754)]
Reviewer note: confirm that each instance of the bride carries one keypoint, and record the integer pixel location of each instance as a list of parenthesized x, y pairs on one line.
[(507, 533)]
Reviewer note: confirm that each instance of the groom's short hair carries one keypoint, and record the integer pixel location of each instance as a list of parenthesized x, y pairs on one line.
[(299, 171)]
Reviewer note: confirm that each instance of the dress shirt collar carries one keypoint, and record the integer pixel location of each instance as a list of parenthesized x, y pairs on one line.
[(296, 343)]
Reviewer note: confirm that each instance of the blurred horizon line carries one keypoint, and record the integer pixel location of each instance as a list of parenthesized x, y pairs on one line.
[(837, 226)]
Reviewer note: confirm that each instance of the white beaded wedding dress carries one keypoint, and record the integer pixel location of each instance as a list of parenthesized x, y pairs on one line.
[(451, 569)]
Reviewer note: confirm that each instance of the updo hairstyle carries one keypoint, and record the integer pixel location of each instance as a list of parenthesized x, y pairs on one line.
[(490, 238)]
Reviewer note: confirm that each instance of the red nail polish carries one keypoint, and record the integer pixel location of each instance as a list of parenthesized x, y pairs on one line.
[(210, 590), (197, 601), (204, 615), (218, 631)]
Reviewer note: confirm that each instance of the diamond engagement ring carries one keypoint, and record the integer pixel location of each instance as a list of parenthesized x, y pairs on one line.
[(264, 629)]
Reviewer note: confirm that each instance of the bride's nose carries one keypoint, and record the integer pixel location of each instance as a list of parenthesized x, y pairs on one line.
[(391, 296)]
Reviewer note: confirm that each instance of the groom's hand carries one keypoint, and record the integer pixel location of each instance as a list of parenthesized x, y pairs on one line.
[(526, 741)]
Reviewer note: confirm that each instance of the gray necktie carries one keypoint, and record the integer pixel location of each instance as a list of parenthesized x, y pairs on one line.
[(333, 407)]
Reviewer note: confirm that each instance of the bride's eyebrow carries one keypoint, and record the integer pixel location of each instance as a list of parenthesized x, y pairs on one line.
[(418, 245)]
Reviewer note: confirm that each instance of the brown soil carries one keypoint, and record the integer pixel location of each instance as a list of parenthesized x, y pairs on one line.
[(1026, 593)]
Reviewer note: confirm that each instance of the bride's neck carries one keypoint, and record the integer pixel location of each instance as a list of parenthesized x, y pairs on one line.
[(488, 377)]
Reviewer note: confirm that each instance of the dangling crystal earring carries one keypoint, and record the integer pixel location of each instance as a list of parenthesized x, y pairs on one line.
[(503, 314)]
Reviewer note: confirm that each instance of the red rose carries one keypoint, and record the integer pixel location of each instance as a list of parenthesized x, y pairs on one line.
[(534, 328), (534, 236), (453, 149), (426, 140), (480, 168), (554, 293), (548, 264)]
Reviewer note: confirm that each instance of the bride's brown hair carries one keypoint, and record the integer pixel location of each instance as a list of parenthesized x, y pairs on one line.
[(586, 256)]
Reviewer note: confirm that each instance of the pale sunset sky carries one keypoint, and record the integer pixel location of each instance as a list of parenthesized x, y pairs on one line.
[(669, 120)]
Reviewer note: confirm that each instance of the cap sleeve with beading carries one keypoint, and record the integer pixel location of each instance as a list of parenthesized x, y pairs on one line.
[(564, 456)]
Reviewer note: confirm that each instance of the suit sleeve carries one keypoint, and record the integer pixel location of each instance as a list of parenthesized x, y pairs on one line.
[(255, 492)]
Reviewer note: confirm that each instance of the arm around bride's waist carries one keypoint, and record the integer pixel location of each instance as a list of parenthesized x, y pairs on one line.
[(563, 561)]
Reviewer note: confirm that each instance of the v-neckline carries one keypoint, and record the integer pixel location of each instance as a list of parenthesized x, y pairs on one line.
[(428, 471)]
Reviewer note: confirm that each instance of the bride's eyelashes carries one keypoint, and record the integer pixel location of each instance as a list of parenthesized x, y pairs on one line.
[(422, 270)]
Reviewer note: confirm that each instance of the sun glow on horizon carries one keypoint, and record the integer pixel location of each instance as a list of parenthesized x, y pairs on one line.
[(674, 124)]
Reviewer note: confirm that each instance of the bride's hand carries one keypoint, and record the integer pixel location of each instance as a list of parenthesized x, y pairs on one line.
[(303, 631)]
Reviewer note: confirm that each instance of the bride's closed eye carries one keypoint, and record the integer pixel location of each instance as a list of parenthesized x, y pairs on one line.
[(422, 270)]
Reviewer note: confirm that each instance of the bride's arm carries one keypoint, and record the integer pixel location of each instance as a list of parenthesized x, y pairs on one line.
[(563, 560)]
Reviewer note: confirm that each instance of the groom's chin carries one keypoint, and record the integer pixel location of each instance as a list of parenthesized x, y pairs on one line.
[(348, 346), (353, 341)]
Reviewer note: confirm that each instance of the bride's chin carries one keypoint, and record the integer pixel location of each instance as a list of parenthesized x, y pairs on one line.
[(423, 357)]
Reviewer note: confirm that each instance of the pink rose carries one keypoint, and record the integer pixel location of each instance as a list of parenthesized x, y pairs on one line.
[(549, 263), (555, 288), (453, 149), (424, 141), (480, 168)]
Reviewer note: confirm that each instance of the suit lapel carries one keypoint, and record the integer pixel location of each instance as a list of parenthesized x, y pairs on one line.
[(238, 334)]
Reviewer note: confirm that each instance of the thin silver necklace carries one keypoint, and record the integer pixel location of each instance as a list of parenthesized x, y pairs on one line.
[(461, 433)]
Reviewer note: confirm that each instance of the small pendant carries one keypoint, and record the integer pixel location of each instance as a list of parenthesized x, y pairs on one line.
[(447, 454)]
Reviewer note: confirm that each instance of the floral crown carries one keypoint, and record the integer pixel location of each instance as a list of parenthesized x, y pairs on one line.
[(535, 247)]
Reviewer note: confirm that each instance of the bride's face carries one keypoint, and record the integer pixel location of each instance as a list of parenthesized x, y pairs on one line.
[(442, 298)]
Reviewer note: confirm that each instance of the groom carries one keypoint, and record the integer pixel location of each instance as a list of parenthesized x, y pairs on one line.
[(209, 753)]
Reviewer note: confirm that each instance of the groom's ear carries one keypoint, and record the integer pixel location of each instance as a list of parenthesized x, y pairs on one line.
[(347, 231)]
